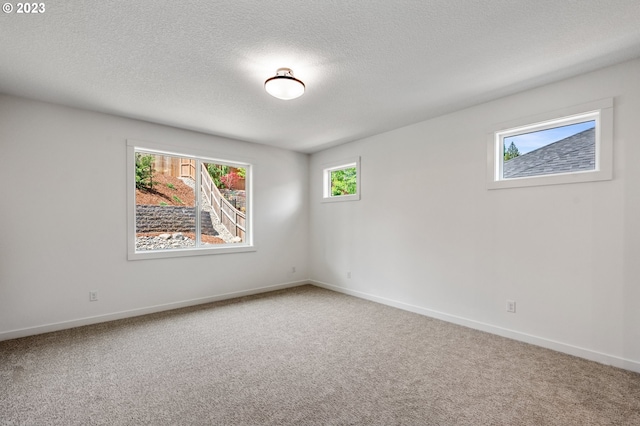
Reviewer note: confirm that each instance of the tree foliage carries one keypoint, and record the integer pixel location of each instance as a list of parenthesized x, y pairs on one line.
[(216, 171), (343, 182), (230, 180), (511, 152), (144, 171), (220, 175)]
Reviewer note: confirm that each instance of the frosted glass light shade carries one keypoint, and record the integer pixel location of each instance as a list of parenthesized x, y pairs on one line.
[(284, 85)]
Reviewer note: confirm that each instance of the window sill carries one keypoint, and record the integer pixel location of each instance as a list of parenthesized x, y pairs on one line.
[(354, 197), (188, 252)]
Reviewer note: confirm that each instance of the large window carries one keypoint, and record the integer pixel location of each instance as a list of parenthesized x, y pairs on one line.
[(568, 146), (341, 180), (183, 205)]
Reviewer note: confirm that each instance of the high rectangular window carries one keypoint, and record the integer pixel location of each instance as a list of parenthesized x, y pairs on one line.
[(576, 147)]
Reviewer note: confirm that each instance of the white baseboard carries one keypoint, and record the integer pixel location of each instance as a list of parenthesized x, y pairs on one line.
[(589, 354), (63, 325)]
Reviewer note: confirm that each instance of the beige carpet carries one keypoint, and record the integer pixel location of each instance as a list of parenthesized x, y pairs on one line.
[(304, 356)]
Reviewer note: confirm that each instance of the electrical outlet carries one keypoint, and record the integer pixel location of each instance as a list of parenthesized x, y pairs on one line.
[(349, 274), (93, 296), (511, 306), (293, 269)]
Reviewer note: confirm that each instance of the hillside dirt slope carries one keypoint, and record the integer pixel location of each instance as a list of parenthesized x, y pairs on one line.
[(169, 190)]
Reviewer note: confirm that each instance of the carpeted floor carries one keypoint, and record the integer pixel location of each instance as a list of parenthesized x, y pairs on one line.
[(303, 356)]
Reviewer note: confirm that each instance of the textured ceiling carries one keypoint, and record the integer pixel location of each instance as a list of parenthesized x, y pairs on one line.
[(369, 66)]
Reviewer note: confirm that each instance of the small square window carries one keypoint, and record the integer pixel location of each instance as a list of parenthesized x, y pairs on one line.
[(563, 149), (341, 181)]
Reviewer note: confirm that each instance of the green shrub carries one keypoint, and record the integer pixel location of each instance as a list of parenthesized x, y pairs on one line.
[(216, 171), (144, 171), (343, 182)]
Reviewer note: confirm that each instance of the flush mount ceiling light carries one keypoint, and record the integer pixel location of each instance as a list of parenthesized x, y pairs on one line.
[(284, 85)]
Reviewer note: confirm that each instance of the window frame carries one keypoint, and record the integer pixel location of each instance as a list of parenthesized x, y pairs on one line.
[(134, 146), (600, 111), (333, 166)]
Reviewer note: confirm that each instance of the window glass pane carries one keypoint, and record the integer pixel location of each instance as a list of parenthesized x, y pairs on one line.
[(183, 205), (223, 211), (343, 182), (562, 149), (165, 202)]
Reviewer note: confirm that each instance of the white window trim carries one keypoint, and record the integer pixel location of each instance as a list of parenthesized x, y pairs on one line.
[(134, 146), (601, 111), (326, 180)]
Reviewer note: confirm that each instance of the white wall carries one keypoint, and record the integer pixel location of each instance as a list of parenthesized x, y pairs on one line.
[(429, 237), (63, 221)]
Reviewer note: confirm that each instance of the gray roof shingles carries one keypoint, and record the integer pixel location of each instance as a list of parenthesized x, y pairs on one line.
[(573, 154)]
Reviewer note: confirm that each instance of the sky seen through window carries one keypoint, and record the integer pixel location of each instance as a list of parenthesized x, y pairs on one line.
[(531, 141)]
